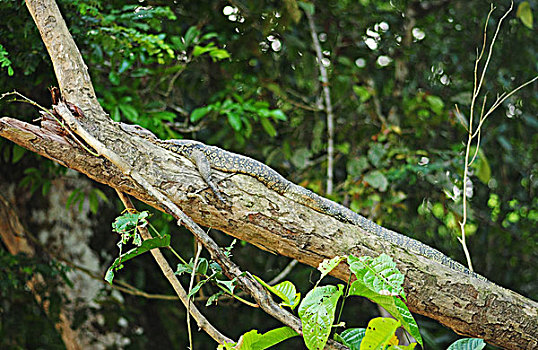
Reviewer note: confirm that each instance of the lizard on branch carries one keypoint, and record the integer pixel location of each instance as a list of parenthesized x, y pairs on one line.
[(210, 157)]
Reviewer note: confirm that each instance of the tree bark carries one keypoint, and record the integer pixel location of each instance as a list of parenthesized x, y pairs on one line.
[(264, 218)]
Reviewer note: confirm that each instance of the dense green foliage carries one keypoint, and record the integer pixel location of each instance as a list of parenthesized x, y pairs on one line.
[(243, 75)]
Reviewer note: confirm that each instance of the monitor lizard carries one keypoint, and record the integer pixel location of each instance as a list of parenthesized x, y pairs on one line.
[(207, 157)]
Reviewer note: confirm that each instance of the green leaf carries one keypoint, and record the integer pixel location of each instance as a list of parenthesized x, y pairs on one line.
[(116, 116), (137, 239), (227, 285), (379, 275), (208, 36), (164, 115), (467, 344), (128, 221), (326, 266), (114, 78), (191, 33), (125, 64), (219, 54), (109, 276), (196, 288), (235, 121), (46, 187), (199, 113), (178, 43), (94, 202), (301, 157), (254, 341), (147, 245), (352, 337), (356, 166), (213, 299), (317, 315), (284, 290), (392, 304), (183, 268), (407, 320), (202, 266), (377, 180), (278, 115), (380, 281), (481, 166), (379, 333), (402, 347), (129, 112), (268, 127), (71, 198), (100, 194), (376, 153), (200, 50), (524, 13), (17, 153), (363, 93), (307, 7), (436, 103), (343, 148)]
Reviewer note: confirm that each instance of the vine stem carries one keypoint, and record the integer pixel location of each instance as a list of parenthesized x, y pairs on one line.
[(191, 282), (348, 285)]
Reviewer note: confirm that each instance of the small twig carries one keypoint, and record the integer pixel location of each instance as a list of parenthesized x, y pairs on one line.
[(478, 142), (174, 78), (348, 285), (327, 105), (191, 283), (179, 109), (283, 273), (477, 148), (490, 51), (179, 127), (500, 100), (471, 135), (300, 105), (33, 103), (377, 104)]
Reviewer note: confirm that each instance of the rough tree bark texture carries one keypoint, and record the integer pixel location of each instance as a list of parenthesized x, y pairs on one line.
[(273, 223), (264, 218)]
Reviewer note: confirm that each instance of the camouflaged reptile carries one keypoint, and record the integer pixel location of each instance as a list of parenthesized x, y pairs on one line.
[(207, 157)]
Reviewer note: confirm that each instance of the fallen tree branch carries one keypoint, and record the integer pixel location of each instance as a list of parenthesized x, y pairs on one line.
[(276, 224)]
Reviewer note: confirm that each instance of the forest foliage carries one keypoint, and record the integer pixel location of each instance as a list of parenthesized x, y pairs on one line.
[(243, 75)]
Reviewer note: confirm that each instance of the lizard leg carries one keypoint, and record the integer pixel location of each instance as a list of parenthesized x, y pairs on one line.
[(204, 168)]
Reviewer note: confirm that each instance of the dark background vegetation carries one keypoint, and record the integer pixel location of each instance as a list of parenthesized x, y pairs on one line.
[(399, 143)]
